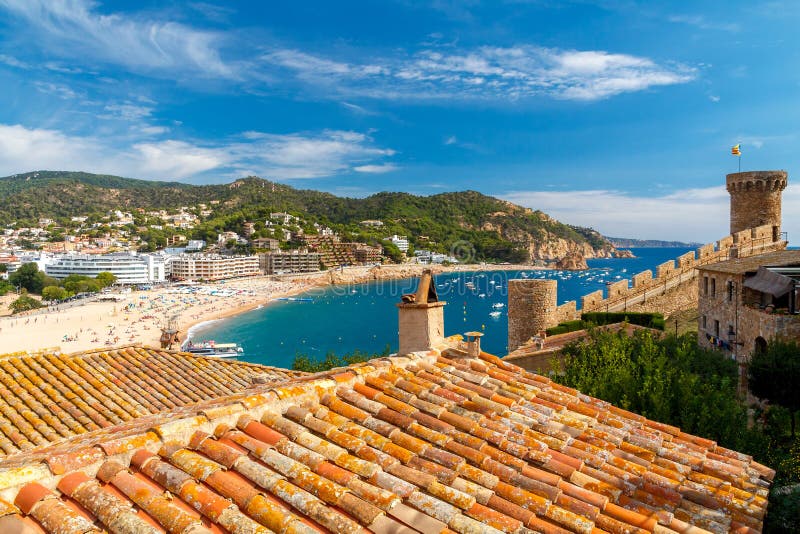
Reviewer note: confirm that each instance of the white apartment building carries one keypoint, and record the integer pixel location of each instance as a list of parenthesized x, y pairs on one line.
[(212, 267), (128, 268), (400, 241)]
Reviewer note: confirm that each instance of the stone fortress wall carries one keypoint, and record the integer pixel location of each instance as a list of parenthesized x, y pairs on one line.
[(528, 316), (755, 228)]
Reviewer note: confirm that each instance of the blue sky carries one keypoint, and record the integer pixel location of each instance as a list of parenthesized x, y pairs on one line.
[(615, 114)]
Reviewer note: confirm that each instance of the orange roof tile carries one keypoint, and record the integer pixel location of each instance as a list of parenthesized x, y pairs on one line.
[(423, 443), (47, 398)]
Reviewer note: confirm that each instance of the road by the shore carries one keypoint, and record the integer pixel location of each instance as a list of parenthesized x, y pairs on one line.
[(140, 317)]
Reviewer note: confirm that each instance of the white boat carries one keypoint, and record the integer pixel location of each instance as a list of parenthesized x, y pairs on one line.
[(213, 349), (495, 314), (498, 305)]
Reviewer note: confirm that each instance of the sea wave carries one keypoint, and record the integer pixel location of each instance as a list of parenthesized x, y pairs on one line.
[(200, 326)]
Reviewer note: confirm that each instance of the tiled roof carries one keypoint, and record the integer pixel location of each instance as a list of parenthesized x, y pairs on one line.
[(422, 443), (752, 263), (45, 398)]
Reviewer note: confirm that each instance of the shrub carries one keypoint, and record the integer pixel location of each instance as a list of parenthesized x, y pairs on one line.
[(649, 320)]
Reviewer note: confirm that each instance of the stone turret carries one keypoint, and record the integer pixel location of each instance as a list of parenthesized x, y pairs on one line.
[(756, 200), (421, 317), (532, 307)]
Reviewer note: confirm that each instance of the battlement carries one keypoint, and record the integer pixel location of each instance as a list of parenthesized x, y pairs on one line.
[(756, 181)]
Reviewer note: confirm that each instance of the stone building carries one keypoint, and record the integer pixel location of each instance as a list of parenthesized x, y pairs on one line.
[(745, 303), (289, 261)]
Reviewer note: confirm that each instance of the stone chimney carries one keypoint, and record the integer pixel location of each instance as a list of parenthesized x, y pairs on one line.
[(421, 317), (473, 343)]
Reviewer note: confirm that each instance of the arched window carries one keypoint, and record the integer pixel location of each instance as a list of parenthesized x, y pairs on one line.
[(761, 345)]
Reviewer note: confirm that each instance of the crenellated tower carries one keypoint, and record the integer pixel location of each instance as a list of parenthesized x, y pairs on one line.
[(756, 200)]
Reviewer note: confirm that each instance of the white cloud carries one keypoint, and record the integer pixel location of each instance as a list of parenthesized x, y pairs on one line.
[(698, 21), (59, 90), (451, 140), (713, 98), (177, 159), (126, 111), (75, 28), (11, 61), (689, 215), (376, 169), (288, 156), (483, 73)]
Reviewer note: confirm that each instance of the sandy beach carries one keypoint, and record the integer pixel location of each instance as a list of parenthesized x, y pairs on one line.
[(140, 317)]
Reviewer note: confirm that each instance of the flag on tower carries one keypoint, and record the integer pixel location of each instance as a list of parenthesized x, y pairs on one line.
[(735, 151)]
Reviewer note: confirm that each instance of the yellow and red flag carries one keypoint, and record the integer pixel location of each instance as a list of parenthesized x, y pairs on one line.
[(736, 151)]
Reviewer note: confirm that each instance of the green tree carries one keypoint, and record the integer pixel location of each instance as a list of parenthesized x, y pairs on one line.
[(54, 293), (3, 268), (24, 303), (303, 362), (105, 279), (29, 277), (774, 375)]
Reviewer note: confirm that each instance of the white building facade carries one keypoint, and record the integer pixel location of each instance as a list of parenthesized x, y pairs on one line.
[(127, 268)]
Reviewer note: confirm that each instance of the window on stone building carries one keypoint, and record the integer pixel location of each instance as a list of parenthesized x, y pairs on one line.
[(730, 291), (705, 285), (713, 287), (705, 322), (716, 328)]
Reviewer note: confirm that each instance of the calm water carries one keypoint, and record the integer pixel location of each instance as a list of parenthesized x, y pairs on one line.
[(364, 317)]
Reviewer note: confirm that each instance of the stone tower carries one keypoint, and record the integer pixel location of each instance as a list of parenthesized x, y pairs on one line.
[(421, 317), (756, 200), (531, 308)]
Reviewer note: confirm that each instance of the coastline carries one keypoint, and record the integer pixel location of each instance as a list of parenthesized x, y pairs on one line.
[(138, 320)]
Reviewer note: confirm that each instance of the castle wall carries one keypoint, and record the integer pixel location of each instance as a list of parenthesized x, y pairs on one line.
[(592, 299), (643, 279), (686, 260), (665, 269), (725, 243), (706, 251), (617, 289)]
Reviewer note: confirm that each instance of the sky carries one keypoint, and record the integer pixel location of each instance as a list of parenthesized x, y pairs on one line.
[(613, 114)]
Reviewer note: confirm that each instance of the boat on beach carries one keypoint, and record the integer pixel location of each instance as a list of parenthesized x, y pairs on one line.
[(213, 349), (296, 299)]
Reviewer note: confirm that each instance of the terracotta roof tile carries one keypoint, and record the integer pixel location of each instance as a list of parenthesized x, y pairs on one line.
[(47, 398), (418, 444)]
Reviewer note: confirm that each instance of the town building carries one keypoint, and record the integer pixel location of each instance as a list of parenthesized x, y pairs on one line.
[(195, 245), (266, 243), (400, 241), (374, 223), (289, 261), (365, 254), (745, 303), (212, 267), (126, 267)]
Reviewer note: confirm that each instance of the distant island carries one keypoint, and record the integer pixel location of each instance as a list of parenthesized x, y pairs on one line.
[(625, 242)]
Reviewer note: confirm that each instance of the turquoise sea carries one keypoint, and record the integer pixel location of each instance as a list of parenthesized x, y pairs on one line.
[(364, 317)]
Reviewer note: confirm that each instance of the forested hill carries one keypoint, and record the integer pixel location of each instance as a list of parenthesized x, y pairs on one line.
[(495, 228)]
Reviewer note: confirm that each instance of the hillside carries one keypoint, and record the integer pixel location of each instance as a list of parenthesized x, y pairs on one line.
[(473, 225)]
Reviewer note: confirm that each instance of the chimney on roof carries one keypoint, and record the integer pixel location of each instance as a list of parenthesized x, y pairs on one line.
[(421, 317)]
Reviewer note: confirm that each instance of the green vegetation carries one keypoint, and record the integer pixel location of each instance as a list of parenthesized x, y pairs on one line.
[(566, 327), (493, 229), (54, 293), (673, 381), (774, 376), (646, 319), (25, 303), (303, 362), (589, 319), (30, 279)]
